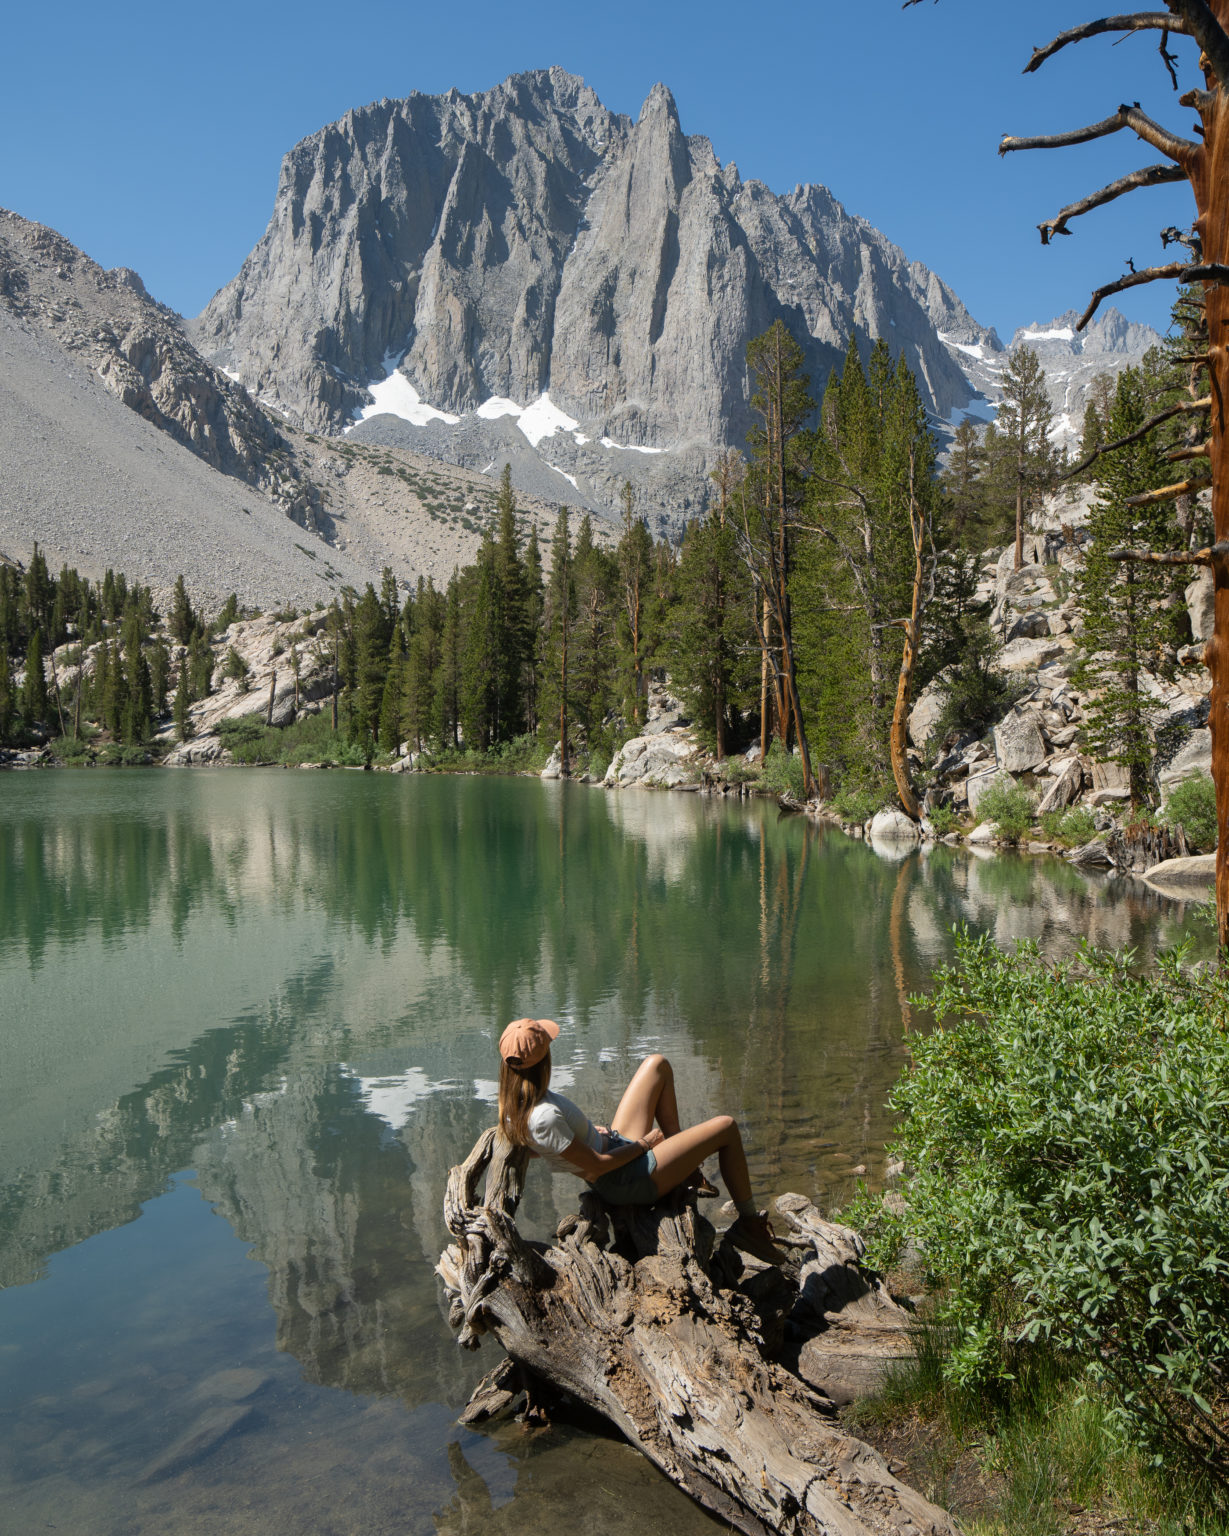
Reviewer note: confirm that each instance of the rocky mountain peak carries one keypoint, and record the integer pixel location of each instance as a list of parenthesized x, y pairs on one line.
[(473, 254)]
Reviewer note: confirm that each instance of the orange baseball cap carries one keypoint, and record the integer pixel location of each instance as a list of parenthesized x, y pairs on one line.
[(526, 1042)]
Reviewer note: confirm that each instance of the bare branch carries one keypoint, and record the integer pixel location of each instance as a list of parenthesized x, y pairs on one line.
[(1127, 116), (1177, 455), (1131, 280), (1197, 21), (1149, 176), (1168, 493), (1214, 272), (1144, 21), (1201, 100), (1183, 409)]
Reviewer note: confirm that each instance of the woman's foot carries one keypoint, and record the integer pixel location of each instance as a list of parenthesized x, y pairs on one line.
[(753, 1235), (701, 1185)]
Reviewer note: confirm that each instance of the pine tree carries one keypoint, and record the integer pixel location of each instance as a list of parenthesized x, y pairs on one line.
[(965, 483), (183, 702), (422, 665), (771, 505), (558, 617), (138, 694), (1128, 619), (160, 675), (710, 650), (531, 665), (446, 709), (34, 690), (394, 695), (183, 620), (1023, 433), (511, 619), (592, 665), (7, 700), (635, 559), (480, 650), (873, 470), (368, 645)]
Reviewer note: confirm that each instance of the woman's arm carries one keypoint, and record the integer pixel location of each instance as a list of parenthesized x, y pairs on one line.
[(592, 1165)]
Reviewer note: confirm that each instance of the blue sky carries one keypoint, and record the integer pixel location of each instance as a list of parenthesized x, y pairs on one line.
[(151, 135)]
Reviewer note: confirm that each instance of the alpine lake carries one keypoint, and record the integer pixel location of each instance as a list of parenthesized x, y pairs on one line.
[(250, 1021)]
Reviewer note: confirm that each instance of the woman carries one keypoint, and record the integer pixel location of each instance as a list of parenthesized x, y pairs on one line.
[(644, 1155)]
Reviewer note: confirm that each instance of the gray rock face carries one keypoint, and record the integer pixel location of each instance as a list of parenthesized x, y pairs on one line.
[(1194, 756), (137, 348), (525, 239), (660, 759), (1018, 743), (1200, 606), (1066, 787)]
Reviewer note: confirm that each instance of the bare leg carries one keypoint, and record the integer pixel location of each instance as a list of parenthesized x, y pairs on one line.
[(649, 1099), (680, 1155)]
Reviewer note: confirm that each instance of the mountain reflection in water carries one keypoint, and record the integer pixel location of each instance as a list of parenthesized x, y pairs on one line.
[(291, 985)]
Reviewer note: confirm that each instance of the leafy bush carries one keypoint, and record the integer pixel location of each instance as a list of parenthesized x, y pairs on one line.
[(71, 749), (855, 806), (737, 770), (1192, 805), (1073, 827), (1068, 1129), (943, 819), (782, 773), (1009, 807)]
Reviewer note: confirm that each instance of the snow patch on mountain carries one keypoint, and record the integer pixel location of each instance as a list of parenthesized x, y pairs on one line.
[(1072, 360), (394, 395)]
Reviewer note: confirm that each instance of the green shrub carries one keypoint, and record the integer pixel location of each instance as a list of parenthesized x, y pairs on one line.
[(782, 773), (737, 770), (856, 806), (1009, 807), (1073, 827), (1068, 1130), (943, 819), (1192, 805), (70, 749)]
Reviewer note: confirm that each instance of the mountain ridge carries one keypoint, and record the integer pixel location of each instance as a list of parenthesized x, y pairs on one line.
[(525, 242)]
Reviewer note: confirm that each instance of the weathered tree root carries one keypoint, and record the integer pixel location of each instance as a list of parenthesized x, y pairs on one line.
[(645, 1326)]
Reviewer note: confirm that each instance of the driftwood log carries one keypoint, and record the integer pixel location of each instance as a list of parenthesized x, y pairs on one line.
[(643, 1315)]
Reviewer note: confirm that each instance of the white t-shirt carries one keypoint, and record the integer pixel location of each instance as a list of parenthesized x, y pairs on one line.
[(554, 1124)]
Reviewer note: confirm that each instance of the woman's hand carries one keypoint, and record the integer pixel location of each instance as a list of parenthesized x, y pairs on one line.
[(654, 1139)]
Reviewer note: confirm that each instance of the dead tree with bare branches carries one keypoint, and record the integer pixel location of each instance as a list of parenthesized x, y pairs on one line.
[(1204, 163)]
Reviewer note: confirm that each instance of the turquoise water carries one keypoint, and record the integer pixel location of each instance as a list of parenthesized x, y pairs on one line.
[(249, 1021)]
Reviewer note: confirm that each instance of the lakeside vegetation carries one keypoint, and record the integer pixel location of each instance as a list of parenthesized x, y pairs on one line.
[(1066, 1137)]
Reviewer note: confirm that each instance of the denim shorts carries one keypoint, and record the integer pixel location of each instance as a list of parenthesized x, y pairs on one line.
[(631, 1184)]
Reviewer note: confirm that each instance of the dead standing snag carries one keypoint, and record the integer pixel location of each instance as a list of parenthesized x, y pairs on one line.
[(644, 1325), (1204, 163)]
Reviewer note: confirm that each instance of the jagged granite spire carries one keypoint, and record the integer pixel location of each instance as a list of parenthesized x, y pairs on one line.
[(525, 239)]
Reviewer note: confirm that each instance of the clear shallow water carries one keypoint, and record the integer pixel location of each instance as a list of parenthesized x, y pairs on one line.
[(249, 1022)]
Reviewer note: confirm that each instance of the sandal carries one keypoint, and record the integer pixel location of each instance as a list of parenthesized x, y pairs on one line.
[(753, 1235)]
